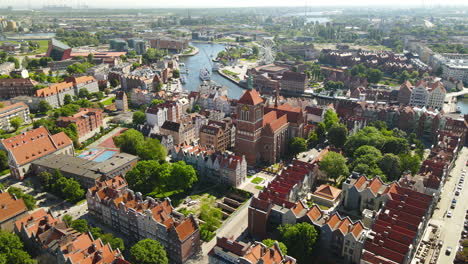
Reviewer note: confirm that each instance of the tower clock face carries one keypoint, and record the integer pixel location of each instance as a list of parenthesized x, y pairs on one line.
[(245, 108)]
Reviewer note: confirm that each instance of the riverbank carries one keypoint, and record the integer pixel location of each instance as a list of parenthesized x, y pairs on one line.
[(194, 52), (229, 77)]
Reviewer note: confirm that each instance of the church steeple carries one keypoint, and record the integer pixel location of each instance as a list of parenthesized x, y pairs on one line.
[(250, 82)]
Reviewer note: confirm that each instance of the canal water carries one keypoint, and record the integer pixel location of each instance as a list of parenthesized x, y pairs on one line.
[(462, 103), (204, 60)]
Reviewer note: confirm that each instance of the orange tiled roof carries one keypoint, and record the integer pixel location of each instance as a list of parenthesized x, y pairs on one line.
[(54, 89), (251, 97), (375, 185), (298, 207), (34, 221), (260, 254), (314, 213), (333, 221), (357, 229), (186, 228), (34, 144), (10, 207), (328, 192)]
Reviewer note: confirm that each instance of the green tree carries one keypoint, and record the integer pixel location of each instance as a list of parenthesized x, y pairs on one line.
[(143, 176), (16, 122), (367, 136), (11, 250), (312, 140), (148, 251), (410, 163), (80, 225), (28, 199), (183, 176), (297, 145), (390, 166), (139, 118), (330, 118), (72, 191), (157, 102), (299, 240), (114, 83), (337, 135), (334, 165), (44, 107), (374, 75), (270, 242), (366, 161), (321, 132), (83, 93), (3, 160), (152, 150), (67, 99), (129, 141), (68, 219), (176, 74), (396, 146)]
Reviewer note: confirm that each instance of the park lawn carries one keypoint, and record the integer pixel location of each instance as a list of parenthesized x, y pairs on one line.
[(43, 45), (108, 101), (257, 180), (259, 187)]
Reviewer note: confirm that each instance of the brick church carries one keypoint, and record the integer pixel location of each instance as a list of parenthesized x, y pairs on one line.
[(263, 132)]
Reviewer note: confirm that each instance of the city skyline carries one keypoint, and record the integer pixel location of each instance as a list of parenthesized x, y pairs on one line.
[(222, 4)]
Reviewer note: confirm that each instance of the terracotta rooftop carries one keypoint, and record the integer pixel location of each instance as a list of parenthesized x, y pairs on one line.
[(250, 97), (34, 144), (328, 192), (54, 89), (10, 206)]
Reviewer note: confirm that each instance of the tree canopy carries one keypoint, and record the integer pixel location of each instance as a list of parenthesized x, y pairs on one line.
[(334, 165), (330, 118), (299, 240), (67, 188), (337, 135), (297, 145), (11, 250), (148, 251), (133, 142), (270, 242), (139, 118), (390, 165)]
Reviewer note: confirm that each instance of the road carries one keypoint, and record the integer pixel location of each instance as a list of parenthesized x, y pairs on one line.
[(452, 227)]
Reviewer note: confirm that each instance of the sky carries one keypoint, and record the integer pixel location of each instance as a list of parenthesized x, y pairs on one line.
[(224, 3)]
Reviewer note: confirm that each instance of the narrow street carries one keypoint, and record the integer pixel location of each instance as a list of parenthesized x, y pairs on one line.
[(451, 227)]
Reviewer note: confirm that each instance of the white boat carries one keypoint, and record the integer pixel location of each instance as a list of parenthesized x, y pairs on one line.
[(181, 64), (183, 80), (205, 75)]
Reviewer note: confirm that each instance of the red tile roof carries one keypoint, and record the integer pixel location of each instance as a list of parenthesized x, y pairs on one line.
[(250, 97), (10, 207), (31, 145)]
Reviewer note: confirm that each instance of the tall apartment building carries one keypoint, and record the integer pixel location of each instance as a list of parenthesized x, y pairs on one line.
[(217, 135), (180, 132), (217, 167), (29, 146), (9, 112), (55, 94), (112, 203), (169, 44), (87, 120), (293, 82), (10, 88), (425, 94)]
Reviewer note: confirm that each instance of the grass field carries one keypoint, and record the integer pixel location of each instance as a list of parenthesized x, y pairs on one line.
[(43, 45), (257, 180), (108, 101)]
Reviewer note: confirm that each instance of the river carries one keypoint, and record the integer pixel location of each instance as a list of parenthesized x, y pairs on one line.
[(203, 60), (463, 105)]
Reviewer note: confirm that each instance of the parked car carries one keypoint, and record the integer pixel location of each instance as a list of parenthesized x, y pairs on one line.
[(448, 251), (453, 206), (457, 192), (449, 214)]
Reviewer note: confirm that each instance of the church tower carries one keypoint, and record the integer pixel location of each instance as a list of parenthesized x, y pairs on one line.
[(249, 126)]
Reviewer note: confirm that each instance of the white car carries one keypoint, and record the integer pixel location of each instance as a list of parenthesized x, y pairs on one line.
[(449, 214)]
